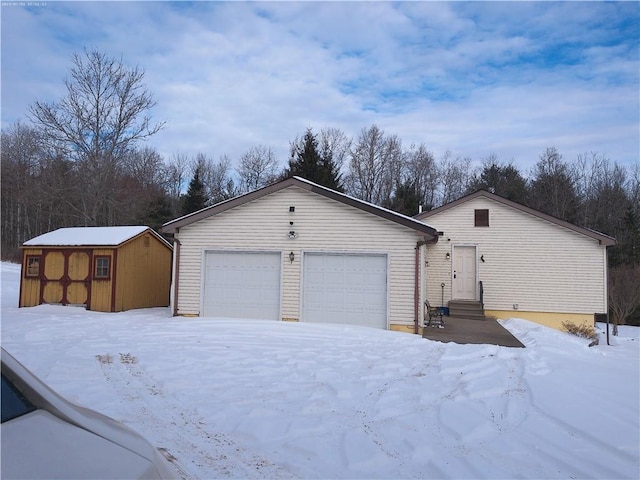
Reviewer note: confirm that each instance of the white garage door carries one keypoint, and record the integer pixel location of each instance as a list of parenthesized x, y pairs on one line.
[(345, 289), (242, 285)]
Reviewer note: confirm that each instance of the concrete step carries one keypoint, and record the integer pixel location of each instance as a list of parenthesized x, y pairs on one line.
[(466, 309), (466, 316)]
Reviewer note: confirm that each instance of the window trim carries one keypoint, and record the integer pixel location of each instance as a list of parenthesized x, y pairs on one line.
[(27, 271), (96, 261), (481, 217)]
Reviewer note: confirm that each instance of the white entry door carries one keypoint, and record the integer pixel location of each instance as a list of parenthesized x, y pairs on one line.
[(242, 285), (464, 273), (345, 288)]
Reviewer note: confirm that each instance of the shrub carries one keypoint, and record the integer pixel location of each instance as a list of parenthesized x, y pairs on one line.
[(583, 331)]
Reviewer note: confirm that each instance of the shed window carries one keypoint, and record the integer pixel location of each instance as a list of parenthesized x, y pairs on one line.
[(482, 218), (103, 269), (33, 266)]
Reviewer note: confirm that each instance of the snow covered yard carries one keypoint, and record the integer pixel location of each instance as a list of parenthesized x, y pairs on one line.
[(259, 399)]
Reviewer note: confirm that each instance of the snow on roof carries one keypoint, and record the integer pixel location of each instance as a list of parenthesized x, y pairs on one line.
[(86, 236)]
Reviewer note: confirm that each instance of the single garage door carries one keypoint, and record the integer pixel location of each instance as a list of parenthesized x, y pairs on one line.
[(345, 289), (242, 285)]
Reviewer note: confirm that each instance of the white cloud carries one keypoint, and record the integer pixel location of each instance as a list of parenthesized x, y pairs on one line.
[(474, 78)]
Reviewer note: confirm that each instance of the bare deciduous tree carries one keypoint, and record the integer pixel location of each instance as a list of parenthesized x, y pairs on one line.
[(334, 144), (454, 177), (421, 167), (624, 293), (102, 117), (216, 177), (257, 168), (605, 201), (141, 194), (394, 172), (374, 165), (147, 165), (22, 157), (552, 188)]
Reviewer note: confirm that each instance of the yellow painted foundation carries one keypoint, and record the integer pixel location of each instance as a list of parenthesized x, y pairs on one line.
[(548, 319), (405, 328)]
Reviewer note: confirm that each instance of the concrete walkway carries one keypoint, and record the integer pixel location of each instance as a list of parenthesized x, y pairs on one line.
[(460, 330)]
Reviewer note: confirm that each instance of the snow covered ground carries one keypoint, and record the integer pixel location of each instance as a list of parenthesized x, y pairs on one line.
[(261, 399)]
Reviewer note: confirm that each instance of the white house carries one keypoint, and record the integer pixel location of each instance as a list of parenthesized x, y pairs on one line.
[(297, 251), (518, 261)]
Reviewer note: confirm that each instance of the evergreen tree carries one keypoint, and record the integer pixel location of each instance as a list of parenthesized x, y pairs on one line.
[(503, 180), (331, 176), (405, 199), (195, 199), (306, 162)]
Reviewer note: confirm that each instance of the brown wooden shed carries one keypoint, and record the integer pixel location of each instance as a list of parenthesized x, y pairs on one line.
[(107, 269)]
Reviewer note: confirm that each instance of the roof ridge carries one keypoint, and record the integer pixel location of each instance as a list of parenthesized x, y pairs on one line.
[(410, 222)]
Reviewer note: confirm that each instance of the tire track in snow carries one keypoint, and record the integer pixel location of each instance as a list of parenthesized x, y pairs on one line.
[(184, 436), (377, 414), (556, 450), (483, 400)]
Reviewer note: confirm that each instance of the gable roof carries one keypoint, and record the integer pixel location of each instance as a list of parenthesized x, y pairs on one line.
[(174, 225), (90, 236), (605, 240)]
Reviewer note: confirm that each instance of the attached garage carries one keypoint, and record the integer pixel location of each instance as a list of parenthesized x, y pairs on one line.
[(299, 252), (242, 285), (345, 289)]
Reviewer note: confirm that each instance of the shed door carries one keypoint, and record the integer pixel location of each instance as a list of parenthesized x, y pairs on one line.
[(66, 276), (464, 273), (53, 291), (242, 285), (79, 275), (345, 289)]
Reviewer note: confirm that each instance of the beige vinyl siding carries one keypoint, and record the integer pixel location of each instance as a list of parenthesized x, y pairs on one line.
[(540, 266), (322, 225)]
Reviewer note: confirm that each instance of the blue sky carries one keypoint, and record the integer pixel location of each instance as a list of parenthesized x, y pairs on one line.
[(476, 78)]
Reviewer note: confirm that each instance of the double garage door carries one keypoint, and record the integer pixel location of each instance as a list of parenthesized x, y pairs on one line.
[(335, 288)]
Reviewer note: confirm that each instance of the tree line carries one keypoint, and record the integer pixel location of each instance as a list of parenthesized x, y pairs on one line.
[(81, 161)]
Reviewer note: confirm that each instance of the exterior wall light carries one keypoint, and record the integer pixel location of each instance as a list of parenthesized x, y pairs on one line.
[(447, 255), (292, 257)]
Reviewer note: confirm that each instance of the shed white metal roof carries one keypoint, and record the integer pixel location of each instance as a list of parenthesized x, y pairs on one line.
[(85, 236)]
